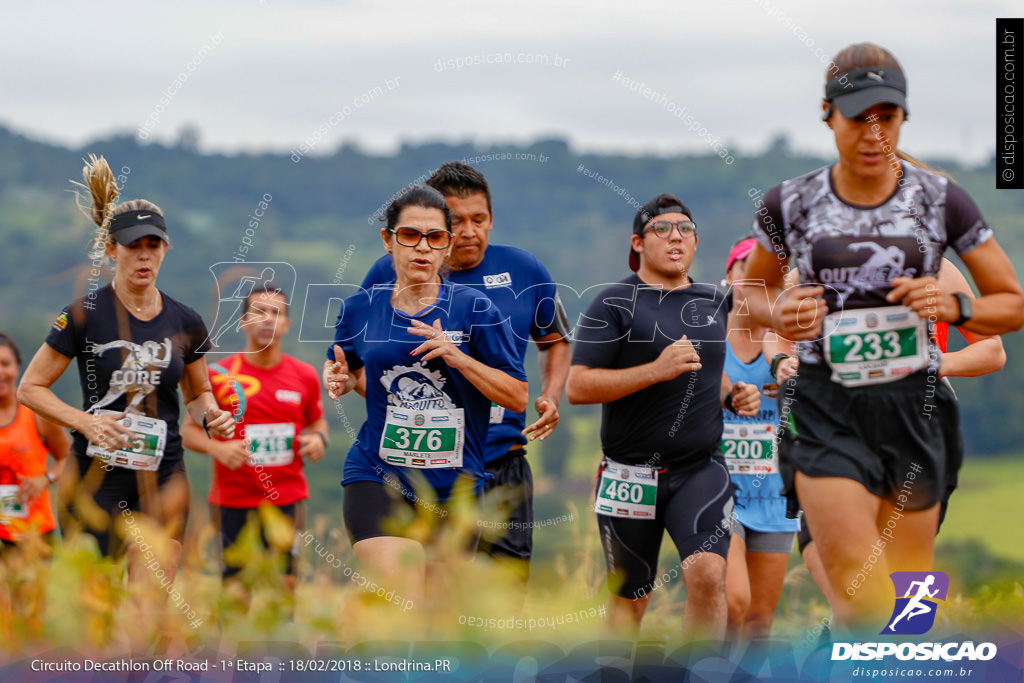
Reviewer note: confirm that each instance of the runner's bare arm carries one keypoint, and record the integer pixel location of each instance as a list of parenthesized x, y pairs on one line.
[(311, 445), (984, 354), (232, 453), (199, 401), (58, 444), (34, 391), (602, 385), (999, 309), (796, 312), (554, 355)]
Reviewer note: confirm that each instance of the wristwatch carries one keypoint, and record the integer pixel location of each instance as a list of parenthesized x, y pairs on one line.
[(966, 310), (774, 367), (50, 478)]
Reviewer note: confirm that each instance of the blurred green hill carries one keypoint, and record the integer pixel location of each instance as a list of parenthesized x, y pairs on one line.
[(319, 217)]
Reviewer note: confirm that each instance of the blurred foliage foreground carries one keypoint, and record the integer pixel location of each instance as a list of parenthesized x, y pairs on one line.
[(75, 600)]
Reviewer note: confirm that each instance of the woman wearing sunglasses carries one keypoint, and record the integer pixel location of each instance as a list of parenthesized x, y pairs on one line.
[(431, 357)]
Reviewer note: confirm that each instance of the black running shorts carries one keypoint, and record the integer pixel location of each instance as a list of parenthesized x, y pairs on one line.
[(901, 440), (506, 523), (694, 506)]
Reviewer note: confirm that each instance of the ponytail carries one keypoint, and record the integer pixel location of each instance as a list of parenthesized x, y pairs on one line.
[(103, 193), (903, 156)]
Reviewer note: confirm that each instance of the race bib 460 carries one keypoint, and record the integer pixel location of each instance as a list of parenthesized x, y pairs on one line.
[(629, 491)]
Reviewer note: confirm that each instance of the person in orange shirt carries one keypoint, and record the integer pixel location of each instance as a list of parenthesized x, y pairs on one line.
[(25, 441)]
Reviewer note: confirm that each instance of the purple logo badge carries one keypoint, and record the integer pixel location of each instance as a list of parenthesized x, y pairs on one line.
[(917, 596)]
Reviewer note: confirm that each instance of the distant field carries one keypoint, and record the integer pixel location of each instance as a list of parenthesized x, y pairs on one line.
[(988, 506)]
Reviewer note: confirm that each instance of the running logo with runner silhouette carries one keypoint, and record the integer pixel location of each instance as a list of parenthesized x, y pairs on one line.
[(917, 594)]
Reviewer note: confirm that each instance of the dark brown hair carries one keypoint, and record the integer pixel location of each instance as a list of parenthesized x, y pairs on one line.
[(863, 55), (9, 343), (860, 56)]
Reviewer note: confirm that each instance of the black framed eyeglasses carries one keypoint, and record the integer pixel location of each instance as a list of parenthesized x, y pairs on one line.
[(664, 228), (410, 237)]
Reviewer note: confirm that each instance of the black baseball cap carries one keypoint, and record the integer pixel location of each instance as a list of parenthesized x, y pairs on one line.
[(668, 204), (131, 225), (856, 90)]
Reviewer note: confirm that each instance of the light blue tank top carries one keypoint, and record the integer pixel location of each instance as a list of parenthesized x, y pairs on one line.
[(748, 445)]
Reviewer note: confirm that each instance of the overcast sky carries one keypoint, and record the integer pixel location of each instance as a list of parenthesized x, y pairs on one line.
[(267, 74)]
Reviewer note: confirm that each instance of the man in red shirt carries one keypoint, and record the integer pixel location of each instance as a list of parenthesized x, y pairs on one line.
[(275, 399)]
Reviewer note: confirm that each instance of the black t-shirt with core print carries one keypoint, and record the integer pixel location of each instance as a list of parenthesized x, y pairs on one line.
[(127, 363)]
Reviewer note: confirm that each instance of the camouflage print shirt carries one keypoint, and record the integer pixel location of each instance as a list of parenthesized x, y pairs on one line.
[(855, 251)]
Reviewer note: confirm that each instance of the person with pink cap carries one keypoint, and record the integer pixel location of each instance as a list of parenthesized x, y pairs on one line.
[(762, 535)]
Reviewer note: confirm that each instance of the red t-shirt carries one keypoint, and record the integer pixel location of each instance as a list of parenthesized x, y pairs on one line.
[(277, 404)]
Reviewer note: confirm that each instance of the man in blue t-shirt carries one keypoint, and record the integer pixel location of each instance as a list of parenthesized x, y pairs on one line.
[(522, 289)]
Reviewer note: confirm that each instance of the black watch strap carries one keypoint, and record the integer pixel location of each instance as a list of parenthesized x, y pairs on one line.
[(774, 368), (966, 309)]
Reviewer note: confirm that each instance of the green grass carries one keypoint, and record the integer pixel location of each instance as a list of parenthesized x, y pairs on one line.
[(988, 507)]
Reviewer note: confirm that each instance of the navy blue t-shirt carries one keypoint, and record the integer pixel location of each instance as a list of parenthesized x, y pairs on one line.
[(521, 287), (124, 361), (374, 336), (676, 423)]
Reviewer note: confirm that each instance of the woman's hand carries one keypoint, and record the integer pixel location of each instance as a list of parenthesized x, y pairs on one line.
[(32, 487), (106, 431), (336, 376), (437, 344), (220, 423), (924, 297), (746, 399), (801, 315)]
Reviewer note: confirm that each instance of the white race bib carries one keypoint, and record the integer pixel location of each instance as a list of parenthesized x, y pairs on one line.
[(629, 491), (749, 448), (147, 447), (497, 414), (424, 439), (874, 345), (271, 444), (9, 504)]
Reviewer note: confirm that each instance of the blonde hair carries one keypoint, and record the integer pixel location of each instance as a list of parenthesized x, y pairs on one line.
[(101, 185)]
